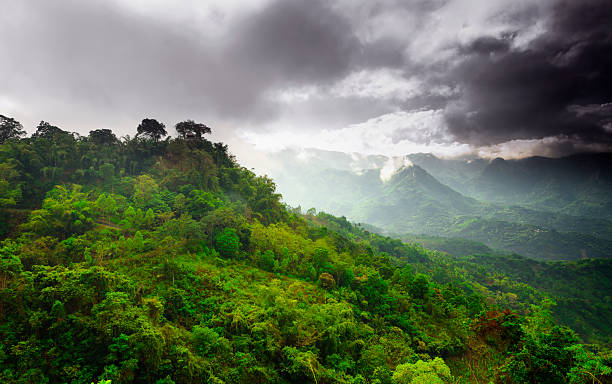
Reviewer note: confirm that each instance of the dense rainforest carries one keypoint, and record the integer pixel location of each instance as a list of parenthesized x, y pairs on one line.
[(151, 260)]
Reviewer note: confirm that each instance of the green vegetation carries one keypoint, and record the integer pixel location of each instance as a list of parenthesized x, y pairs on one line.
[(451, 245), (163, 261), (530, 240), (581, 289)]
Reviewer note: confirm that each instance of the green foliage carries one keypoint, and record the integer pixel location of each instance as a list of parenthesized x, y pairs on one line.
[(454, 246), (152, 129), (321, 260), (191, 129), (8, 196), (419, 287), (268, 261), (227, 243), (102, 137), (146, 194), (10, 129), (202, 202), (106, 205), (580, 288), (205, 340), (301, 366), (550, 354), (114, 275), (45, 130), (423, 372), (64, 211), (107, 172)]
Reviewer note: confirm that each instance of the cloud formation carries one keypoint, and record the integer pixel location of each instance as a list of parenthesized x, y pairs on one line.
[(379, 76), (537, 90), (393, 134)]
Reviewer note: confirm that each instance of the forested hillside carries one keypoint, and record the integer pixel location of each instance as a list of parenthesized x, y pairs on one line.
[(164, 261), (581, 288)]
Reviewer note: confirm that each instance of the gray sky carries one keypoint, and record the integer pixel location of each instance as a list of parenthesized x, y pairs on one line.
[(493, 77)]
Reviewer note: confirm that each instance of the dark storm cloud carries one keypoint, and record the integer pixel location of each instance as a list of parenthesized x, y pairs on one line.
[(534, 91), (97, 55), (297, 41)]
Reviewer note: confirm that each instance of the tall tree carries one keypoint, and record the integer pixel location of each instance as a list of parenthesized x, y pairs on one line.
[(152, 128), (10, 129), (190, 128), (102, 136), (45, 129)]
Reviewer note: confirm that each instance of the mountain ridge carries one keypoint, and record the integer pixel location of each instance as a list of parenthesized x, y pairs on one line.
[(413, 200)]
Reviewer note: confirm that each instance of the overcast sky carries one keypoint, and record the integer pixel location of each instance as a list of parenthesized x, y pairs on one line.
[(494, 77)]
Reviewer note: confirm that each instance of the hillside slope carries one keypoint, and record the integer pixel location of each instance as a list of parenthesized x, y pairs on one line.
[(143, 261)]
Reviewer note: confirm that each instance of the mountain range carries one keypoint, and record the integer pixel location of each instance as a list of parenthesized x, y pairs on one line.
[(544, 208), (577, 185)]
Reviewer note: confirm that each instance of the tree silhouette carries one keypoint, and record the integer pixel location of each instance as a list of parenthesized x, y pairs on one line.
[(102, 136), (10, 129), (191, 129), (152, 128), (46, 130)]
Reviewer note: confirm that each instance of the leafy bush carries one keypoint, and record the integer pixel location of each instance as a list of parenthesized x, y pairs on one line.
[(227, 243)]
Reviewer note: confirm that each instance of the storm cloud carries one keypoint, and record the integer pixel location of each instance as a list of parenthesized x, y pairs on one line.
[(543, 88), (471, 74), (111, 59)]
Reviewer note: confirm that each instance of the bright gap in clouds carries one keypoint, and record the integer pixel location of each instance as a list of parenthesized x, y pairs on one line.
[(394, 134), (401, 133)]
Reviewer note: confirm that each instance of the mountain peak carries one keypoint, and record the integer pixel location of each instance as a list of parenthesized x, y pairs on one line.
[(412, 171), (392, 166)]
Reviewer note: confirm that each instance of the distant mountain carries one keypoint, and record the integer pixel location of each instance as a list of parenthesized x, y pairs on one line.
[(578, 185), (412, 201), (401, 195)]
